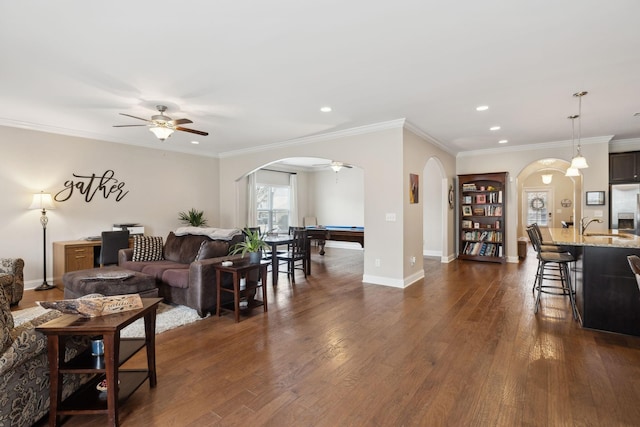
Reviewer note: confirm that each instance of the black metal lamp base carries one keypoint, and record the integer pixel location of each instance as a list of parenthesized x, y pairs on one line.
[(44, 287)]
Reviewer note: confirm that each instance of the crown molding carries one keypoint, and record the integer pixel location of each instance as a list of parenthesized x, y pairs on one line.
[(360, 130), (622, 145), (539, 146), (422, 134)]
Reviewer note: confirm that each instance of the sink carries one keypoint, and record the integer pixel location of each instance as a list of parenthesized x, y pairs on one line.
[(621, 235)]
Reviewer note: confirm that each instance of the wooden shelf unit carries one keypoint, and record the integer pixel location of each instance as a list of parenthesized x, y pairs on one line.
[(481, 212)]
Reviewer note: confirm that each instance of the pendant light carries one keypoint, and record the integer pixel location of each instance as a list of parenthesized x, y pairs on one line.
[(579, 162), (547, 178), (571, 170)]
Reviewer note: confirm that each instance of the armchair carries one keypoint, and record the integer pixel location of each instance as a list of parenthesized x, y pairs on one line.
[(12, 278)]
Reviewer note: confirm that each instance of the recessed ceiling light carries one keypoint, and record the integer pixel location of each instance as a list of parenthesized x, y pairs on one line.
[(494, 128), (482, 108), (503, 141), (326, 109), (195, 142)]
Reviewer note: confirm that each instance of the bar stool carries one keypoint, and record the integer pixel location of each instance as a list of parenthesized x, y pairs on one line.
[(552, 266), (547, 247)]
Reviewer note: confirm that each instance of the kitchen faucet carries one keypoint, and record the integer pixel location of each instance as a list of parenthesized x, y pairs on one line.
[(583, 227)]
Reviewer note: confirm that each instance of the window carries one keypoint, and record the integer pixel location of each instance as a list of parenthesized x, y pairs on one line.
[(273, 206), (537, 207)]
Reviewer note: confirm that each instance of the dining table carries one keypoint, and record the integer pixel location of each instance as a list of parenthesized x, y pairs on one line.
[(275, 240)]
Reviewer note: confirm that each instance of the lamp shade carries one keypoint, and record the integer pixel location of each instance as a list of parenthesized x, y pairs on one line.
[(571, 171), (41, 201), (579, 162), (161, 133)]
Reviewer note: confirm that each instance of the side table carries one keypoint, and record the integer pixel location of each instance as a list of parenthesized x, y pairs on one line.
[(237, 270), (120, 383)]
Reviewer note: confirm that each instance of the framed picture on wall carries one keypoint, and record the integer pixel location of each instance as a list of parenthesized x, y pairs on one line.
[(414, 190), (595, 198)]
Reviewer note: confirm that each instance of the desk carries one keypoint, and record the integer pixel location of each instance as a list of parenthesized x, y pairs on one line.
[(116, 352), (237, 270), (278, 240), (336, 232), (74, 255)]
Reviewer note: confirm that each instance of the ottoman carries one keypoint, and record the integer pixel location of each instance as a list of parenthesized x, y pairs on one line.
[(111, 280)]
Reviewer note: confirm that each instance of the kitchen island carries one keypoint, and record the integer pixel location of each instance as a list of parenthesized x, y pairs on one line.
[(607, 294)]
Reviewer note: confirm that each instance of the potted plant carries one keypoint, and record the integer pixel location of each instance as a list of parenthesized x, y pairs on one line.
[(253, 244), (193, 217)]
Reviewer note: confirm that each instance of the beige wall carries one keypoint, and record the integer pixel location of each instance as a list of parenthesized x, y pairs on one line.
[(595, 178), (160, 184), (417, 151), (378, 152)]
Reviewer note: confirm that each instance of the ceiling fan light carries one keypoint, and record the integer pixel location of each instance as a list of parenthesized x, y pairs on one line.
[(161, 133), (579, 162), (571, 171), (336, 167)]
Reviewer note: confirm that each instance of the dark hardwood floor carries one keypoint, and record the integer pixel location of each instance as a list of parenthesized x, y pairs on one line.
[(461, 347)]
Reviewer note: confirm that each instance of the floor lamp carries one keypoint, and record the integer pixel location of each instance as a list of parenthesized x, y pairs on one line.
[(43, 201)]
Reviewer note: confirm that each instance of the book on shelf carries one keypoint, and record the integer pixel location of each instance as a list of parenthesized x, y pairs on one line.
[(478, 211), (468, 187), (500, 196)]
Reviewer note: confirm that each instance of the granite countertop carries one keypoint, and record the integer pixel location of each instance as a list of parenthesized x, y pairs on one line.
[(609, 238)]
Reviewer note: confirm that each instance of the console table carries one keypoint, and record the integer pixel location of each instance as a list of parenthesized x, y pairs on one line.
[(116, 351)]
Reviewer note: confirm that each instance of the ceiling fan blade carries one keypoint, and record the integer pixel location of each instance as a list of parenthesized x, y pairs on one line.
[(126, 126), (199, 132), (347, 166), (180, 122), (139, 118)]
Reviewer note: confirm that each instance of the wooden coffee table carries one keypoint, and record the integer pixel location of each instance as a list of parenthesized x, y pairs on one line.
[(87, 400)]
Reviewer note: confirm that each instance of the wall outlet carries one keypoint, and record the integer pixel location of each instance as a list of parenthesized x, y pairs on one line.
[(412, 261), (377, 262)]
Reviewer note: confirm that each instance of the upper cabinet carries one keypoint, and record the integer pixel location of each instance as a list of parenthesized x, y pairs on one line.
[(624, 167)]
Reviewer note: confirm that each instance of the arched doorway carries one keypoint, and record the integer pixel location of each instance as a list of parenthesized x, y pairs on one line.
[(435, 210), (549, 202)]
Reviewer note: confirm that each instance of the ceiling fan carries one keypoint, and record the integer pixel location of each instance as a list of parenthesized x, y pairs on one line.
[(335, 165), (163, 126)]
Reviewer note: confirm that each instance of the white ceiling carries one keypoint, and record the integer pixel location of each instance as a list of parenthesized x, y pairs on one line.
[(255, 73)]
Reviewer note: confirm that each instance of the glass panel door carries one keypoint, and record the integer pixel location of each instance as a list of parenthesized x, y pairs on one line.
[(537, 207)]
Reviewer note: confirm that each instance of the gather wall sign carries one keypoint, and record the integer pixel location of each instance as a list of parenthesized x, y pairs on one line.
[(91, 185)]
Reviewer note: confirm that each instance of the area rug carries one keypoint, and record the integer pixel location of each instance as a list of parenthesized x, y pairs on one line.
[(169, 317)]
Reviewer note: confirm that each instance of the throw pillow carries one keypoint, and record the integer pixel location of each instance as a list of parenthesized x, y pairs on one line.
[(147, 248), (212, 249)]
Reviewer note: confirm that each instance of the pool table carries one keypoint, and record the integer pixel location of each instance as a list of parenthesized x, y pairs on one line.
[(335, 232)]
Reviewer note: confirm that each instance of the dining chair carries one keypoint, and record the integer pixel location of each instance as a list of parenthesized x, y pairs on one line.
[(112, 242), (296, 256)]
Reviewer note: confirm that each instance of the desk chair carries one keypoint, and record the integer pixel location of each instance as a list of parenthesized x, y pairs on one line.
[(296, 256), (112, 242), (552, 266)]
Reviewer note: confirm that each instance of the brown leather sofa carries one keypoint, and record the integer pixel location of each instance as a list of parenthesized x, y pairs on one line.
[(186, 275)]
